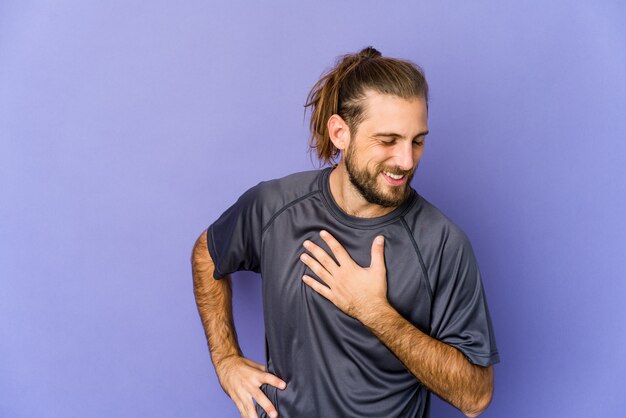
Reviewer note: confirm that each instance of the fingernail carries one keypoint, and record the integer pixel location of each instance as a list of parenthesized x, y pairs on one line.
[(273, 414), (283, 385), (306, 244), (302, 257), (380, 240), (323, 233)]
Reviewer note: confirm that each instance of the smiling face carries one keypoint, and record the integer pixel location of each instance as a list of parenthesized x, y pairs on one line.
[(384, 152)]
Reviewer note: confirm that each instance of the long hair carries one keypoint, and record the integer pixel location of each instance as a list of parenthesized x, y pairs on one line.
[(342, 89)]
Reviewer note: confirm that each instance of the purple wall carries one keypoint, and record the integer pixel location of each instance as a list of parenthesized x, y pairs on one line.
[(126, 127)]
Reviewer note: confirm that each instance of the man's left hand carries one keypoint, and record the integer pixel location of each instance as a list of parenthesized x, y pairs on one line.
[(352, 288)]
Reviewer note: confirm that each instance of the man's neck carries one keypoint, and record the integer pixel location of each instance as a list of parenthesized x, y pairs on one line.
[(350, 199)]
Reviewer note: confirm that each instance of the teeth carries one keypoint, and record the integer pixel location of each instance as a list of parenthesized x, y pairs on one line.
[(394, 176)]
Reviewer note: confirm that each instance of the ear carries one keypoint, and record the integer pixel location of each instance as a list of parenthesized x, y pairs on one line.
[(339, 132)]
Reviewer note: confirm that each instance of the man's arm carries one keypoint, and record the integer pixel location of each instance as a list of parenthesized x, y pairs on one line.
[(442, 368), (362, 293), (240, 378)]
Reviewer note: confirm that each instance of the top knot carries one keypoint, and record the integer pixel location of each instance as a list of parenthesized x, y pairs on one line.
[(369, 52)]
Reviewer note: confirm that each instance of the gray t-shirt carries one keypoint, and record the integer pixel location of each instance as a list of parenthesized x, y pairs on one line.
[(334, 366)]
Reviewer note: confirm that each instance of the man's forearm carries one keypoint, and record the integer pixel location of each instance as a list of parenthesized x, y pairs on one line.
[(240, 378), (214, 302), (440, 367)]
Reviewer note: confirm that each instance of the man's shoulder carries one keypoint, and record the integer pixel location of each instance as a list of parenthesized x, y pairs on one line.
[(297, 183), (431, 226), (275, 194)]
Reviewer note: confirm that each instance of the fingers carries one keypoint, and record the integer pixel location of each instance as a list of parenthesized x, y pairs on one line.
[(265, 403), (261, 399), (378, 253), (250, 410), (246, 408), (242, 383), (273, 380), (338, 251), (244, 398), (318, 287), (321, 255), (317, 268)]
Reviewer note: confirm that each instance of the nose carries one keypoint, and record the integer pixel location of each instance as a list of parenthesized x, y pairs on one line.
[(405, 158)]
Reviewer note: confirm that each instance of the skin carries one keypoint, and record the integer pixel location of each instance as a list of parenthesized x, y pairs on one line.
[(240, 377), (390, 139)]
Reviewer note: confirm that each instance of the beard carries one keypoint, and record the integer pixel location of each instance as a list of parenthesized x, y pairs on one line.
[(366, 182)]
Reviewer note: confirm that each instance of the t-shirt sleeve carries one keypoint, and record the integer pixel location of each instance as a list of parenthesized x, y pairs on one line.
[(460, 316), (234, 240)]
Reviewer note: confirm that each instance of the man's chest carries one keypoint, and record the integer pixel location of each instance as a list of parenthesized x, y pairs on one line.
[(407, 286)]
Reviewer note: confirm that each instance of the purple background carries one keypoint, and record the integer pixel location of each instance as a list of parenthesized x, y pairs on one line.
[(126, 127)]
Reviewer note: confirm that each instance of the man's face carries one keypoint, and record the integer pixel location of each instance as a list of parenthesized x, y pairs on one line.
[(383, 155)]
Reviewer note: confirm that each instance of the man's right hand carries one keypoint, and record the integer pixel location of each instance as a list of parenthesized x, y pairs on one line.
[(241, 379)]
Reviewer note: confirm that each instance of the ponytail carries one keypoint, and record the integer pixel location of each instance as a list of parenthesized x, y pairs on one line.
[(341, 91)]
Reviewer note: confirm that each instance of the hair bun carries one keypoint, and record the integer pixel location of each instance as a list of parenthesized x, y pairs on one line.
[(369, 52)]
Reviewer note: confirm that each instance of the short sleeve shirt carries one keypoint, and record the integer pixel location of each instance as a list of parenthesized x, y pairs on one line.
[(333, 365)]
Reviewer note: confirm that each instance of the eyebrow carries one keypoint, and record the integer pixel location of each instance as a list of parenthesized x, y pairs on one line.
[(395, 136)]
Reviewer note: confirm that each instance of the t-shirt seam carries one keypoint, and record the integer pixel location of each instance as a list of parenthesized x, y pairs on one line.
[(285, 207), (419, 257), (356, 225)]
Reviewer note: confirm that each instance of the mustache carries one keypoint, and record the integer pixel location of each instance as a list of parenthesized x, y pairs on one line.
[(397, 171)]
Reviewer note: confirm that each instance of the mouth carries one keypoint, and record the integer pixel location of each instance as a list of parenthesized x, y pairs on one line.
[(394, 179)]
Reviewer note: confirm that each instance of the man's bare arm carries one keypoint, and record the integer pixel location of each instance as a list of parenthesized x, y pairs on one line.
[(362, 293), (213, 299), (442, 368), (240, 378)]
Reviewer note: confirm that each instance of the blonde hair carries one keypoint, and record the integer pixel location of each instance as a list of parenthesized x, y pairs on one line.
[(342, 89)]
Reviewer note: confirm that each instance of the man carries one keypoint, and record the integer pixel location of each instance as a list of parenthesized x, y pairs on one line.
[(371, 297)]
